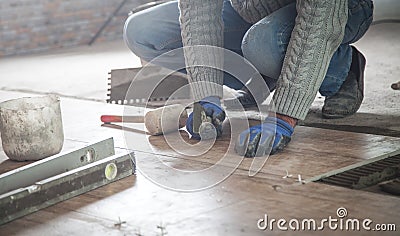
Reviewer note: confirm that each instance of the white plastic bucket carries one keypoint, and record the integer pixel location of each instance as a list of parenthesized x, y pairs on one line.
[(31, 128)]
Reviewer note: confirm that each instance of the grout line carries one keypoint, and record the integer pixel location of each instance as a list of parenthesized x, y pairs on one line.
[(353, 128)]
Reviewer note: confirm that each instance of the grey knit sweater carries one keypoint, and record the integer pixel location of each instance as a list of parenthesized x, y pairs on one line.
[(318, 32)]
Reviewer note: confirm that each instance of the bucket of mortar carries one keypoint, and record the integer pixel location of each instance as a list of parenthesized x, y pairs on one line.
[(31, 128)]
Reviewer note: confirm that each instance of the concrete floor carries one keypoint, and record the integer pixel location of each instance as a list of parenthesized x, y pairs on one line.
[(82, 72)]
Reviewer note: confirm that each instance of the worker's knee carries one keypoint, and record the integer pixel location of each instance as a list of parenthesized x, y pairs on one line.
[(136, 34), (264, 45), (154, 31), (360, 16)]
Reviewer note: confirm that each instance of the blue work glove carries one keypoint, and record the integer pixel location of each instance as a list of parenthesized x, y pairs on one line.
[(257, 140), (214, 114)]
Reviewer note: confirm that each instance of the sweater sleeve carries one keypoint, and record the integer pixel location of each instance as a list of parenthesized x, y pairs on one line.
[(318, 32), (201, 24), (254, 10)]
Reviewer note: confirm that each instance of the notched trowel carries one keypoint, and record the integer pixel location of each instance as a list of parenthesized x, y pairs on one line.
[(152, 86)]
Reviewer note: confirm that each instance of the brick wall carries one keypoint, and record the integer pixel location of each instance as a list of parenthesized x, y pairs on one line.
[(30, 26)]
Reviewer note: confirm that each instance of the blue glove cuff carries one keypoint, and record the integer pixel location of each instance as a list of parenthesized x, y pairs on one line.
[(211, 99), (281, 126)]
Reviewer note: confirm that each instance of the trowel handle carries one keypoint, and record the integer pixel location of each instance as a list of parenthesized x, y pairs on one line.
[(197, 109), (126, 119)]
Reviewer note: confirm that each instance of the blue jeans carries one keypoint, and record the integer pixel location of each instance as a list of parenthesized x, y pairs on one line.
[(156, 31)]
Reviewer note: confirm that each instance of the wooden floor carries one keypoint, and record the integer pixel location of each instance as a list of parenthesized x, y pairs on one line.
[(231, 207)]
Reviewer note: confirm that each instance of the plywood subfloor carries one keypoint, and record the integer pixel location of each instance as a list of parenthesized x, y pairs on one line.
[(232, 207)]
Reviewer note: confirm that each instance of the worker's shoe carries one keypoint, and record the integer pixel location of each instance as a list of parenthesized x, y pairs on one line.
[(245, 98), (350, 95)]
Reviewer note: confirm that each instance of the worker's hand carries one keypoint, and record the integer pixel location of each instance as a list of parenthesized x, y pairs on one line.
[(257, 140), (215, 115)]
